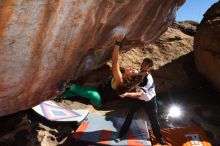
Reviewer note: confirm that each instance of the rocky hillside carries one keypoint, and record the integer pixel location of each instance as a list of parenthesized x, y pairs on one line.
[(170, 55)]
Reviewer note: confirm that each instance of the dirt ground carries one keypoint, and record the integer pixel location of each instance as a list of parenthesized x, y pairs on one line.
[(26, 128)]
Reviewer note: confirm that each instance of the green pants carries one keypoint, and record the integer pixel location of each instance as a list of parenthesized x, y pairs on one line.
[(88, 92)]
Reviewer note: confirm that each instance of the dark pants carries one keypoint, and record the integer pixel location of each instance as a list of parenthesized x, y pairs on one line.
[(151, 108)]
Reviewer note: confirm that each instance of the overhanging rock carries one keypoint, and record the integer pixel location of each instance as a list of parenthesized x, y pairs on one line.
[(44, 42)]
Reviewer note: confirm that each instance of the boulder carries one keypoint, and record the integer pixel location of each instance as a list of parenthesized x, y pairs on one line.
[(207, 45), (187, 27), (43, 42)]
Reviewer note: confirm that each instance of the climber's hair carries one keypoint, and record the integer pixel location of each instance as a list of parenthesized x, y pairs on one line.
[(120, 30), (129, 83)]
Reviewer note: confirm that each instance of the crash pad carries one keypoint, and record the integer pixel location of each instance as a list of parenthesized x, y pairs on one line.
[(103, 130), (53, 112)]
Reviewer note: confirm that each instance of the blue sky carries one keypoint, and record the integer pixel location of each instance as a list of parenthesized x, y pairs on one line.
[(193, 10)]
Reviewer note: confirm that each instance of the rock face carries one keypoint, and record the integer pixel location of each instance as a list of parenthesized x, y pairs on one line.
[(207, 45), (44, 42)]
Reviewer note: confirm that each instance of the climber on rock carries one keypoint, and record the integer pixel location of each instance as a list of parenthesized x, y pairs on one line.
[(121, 81)]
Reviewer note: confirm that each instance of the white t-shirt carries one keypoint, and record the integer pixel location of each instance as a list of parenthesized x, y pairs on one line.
[(148, 89)]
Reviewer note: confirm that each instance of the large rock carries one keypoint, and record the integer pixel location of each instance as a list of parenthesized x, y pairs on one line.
[(207, 45), (43, 42)]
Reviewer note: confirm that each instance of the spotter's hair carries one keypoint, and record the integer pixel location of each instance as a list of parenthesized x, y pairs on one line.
[(149, 62)]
